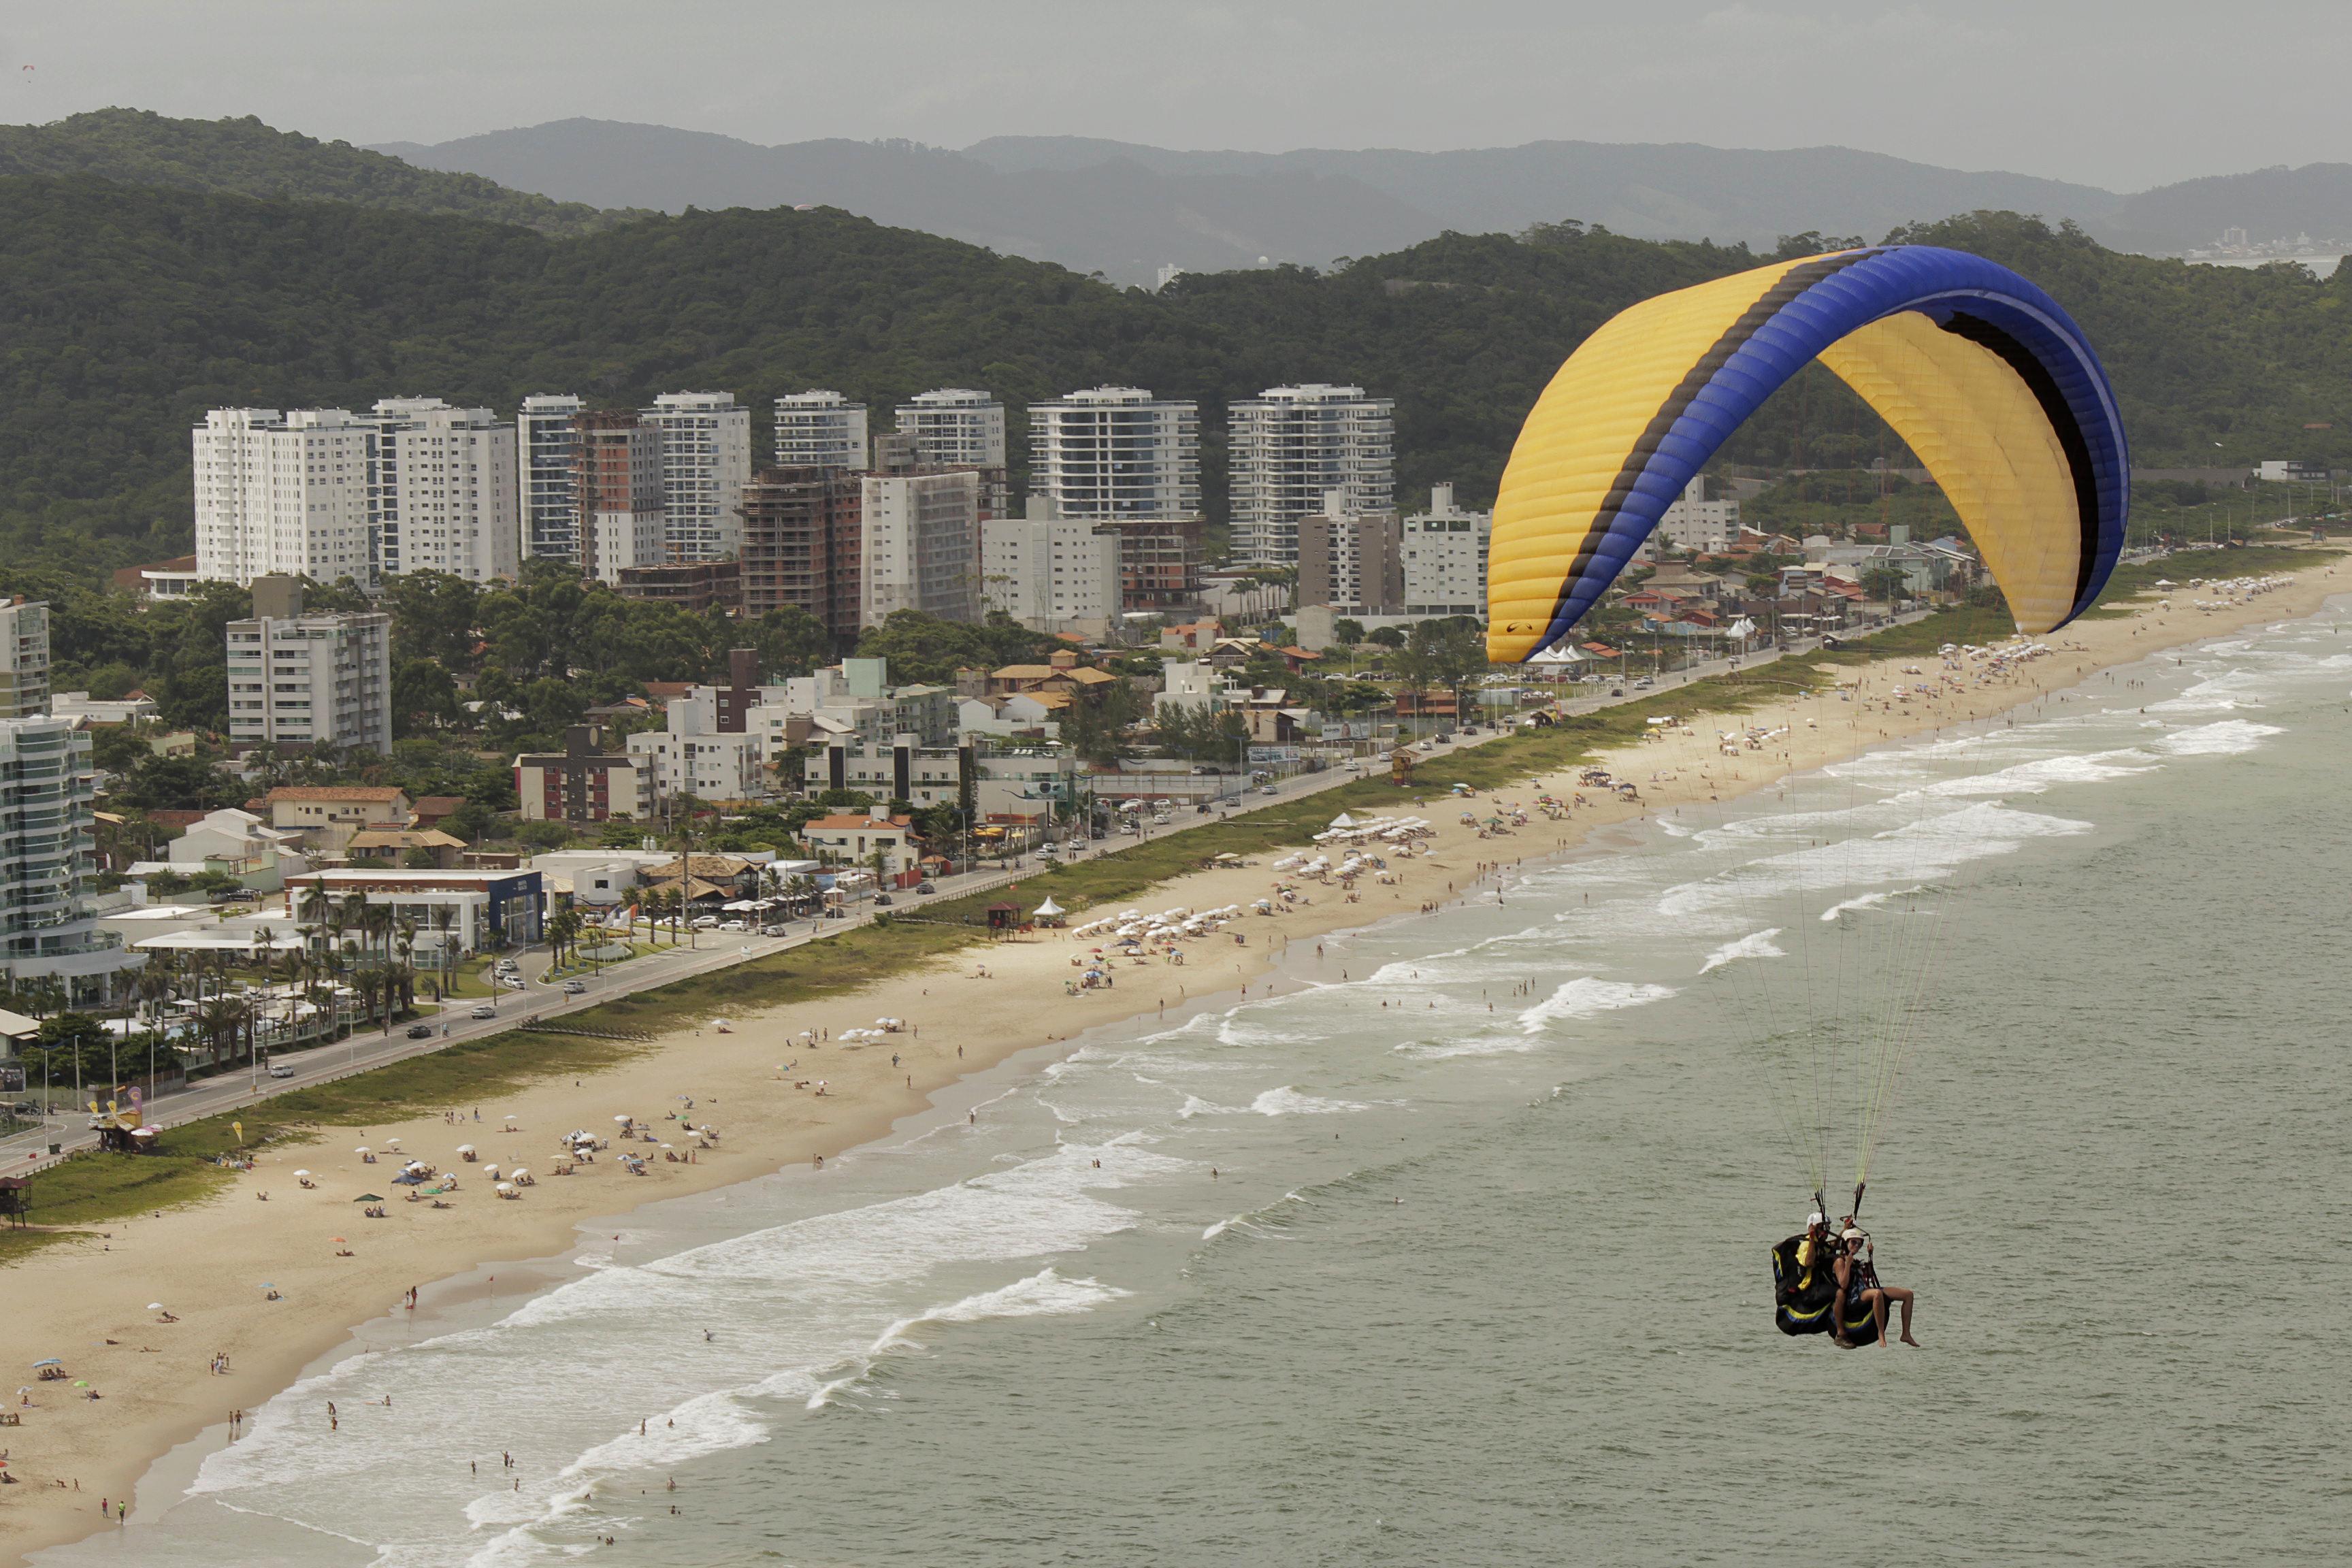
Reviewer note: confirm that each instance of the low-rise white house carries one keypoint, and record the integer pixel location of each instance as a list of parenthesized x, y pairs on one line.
[(243, 846)]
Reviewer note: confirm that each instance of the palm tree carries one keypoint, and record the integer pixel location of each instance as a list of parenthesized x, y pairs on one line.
[(354, 913), (445, 953)]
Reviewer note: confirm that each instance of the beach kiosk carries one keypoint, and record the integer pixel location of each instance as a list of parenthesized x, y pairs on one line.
[(1048, 913)]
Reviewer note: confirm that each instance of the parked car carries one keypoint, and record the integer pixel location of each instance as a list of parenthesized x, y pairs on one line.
[(279, 1069), (420, 1031), (574, 987), (485, 1010), (704, 922)]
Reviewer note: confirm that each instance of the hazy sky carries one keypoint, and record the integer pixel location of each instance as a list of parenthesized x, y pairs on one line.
[(2126, 93)]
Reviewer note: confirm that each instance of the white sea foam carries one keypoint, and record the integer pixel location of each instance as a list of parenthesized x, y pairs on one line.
[(1866, 902), (2227, 738), (1587, 997), (2035, 776), (1932, 848), (1045, 1293), (1759, 945), (1288, 1101)]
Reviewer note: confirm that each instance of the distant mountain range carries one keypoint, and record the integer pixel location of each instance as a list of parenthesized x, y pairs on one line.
[(1127, 210)]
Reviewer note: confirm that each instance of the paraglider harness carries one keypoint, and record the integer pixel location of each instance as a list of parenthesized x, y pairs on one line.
[(1805, 1298)]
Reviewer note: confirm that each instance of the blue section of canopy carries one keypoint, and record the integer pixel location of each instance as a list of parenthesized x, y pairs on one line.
[(1943, 285)]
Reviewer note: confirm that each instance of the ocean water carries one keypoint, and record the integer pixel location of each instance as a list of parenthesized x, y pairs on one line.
[(1479, 1276)]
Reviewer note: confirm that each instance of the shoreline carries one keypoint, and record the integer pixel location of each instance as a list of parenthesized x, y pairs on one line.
[(208, 1262)]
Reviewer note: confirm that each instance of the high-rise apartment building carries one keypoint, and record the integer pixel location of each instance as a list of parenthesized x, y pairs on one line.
[(820, 429), (322, 681), (1691, 521), (919, 544), (802, 538), (618, 486), (1291, 444), (1352, 561), (546, 470), (23, 658), (955, 427), (444, 490), (1445, 558), (706, 446), (283, 492), (47, 826), (1052, 573), (1116, 452)]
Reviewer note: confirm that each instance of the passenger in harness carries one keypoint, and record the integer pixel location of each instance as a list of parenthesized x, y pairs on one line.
[(1861, 1301)]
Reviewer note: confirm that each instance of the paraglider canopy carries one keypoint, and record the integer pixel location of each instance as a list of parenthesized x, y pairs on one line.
[(1976, 370)]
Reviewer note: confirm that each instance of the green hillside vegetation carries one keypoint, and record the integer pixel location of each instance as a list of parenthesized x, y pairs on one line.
[(130, 309), (244, 157)]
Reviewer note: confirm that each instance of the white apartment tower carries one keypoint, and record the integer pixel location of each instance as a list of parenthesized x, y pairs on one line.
[(444, 490), (320, 681), (46, 824), (1289, 447), (820, 429), (920, 545), (23, 659), (1116, 452), (955, 427), (1691, 521), (283, 492), (1445, 558), (547, 448), (705, 444), (1051, 574)]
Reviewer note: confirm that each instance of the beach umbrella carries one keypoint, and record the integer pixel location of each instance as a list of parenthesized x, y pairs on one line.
[(465, 1148), (363, 1149), (81, 1383), (622, 1120), (154, 1306), (368, 1198), (51, 1362), (336, 1239), (302, 1172)]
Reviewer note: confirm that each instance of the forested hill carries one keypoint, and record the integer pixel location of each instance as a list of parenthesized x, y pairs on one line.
[(127, 310), (245, 157)]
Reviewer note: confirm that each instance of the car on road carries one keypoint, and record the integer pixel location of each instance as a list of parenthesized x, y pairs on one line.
[(704, 922), (420, 1031), (926, 887), (882, 900), (574, 987), (278, 1070), (484, 1010), (515, 982), (732, 925), (1265, 789)]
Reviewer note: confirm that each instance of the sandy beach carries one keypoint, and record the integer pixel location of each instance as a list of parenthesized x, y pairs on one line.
[(778, 1101)]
